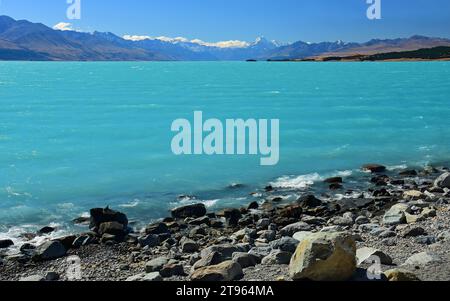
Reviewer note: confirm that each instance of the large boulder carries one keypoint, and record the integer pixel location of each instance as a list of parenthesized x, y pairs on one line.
[(157, 229), (49, 250), (100, 216), (196, 210), (396, 215), (324, 257), (225, 271), (443, 181)]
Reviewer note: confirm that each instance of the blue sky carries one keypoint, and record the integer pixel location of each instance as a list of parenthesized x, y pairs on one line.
[(218, 20)]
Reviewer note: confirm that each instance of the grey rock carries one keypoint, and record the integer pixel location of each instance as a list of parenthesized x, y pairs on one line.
[(291, 229), (443, 181), (387, 234), (152, 277), (225, 251), (150, 240), (368, 254), (51, 276), (49, 250), (287, 244), (263, 223), (189, 246), (414, 232), (426, 240), (195, 211), (395, 215), (422, 259), (361, 220), (246, 260), (277, 257), (32, 278), (261, 252), (172, 269), (156, 264)]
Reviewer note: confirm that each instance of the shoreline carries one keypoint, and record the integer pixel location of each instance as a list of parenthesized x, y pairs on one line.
[(255, 242)]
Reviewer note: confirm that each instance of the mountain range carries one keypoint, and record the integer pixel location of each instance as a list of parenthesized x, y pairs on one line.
[(24, 40)]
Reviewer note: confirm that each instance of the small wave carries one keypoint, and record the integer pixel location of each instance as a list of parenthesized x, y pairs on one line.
[(132, 204), (299, 182), (397, 167)]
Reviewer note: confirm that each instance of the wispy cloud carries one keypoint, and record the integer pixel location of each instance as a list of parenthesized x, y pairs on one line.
[(63, 26), (222, 44)]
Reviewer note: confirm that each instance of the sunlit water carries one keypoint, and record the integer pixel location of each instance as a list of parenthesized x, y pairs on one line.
[(79, 135)]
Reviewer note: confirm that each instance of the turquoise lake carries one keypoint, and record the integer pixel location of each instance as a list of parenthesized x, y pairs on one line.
[(79, 135)]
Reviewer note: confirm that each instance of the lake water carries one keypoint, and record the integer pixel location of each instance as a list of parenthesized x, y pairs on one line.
[(79, 135)]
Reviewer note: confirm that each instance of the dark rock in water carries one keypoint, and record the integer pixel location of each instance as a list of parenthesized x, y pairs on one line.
[(46, 230), (408, 173), (6, 243), (334, 180), (158, 228), (67, 241), (82, 221), (374, 168), (335, 186), (381, 180), (253, 205), (309, 201), (28, 249), (100, 216), (232, 216), (236, 186), (196, 210), (49, 250), (268, 188)]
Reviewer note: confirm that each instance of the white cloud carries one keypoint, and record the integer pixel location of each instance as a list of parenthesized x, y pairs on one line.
[(222, 44), (63, 26)]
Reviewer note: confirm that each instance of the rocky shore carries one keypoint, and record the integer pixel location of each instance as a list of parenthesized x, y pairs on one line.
[(396, 227)]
